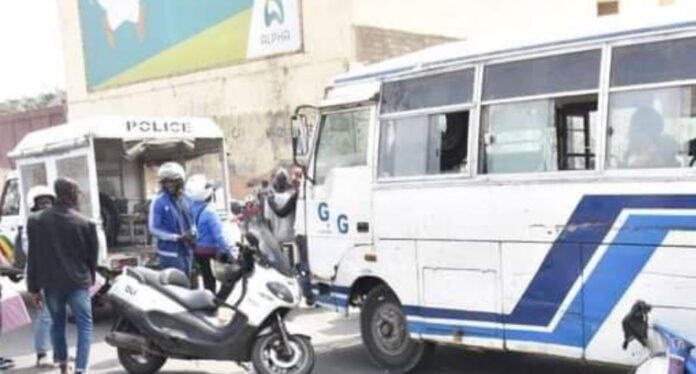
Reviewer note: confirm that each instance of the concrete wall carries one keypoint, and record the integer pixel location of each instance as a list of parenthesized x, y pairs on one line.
[(252, 101), (373, 44), (14, 126)]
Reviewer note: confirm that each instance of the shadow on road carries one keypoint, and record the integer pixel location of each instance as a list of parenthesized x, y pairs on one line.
[(453, 360)]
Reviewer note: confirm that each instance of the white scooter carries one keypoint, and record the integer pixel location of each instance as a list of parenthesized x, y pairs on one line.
[(160, 317)]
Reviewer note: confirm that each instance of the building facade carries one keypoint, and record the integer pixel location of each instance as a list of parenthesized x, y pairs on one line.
[(248, 65)]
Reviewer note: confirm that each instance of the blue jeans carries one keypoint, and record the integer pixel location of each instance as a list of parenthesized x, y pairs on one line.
[(42, 330), (183, 262), (81, 306)]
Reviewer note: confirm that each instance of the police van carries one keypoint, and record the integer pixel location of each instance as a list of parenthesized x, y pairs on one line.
[(114, 160)]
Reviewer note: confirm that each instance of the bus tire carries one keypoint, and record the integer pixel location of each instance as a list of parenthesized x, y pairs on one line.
[(385, 333)]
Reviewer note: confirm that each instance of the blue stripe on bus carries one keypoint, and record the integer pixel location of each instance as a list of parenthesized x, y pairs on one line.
[(602, 291), (327, 300), (587, 227)]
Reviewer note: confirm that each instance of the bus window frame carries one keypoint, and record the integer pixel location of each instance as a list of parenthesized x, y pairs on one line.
[(600, 173), (644, 173)]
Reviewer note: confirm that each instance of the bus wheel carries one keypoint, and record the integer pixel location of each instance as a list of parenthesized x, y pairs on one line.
[(385, 333)]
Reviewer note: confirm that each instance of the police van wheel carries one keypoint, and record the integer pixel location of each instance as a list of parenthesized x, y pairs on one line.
[(385, 333)]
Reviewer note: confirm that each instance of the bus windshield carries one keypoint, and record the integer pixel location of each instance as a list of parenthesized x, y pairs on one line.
[(342, 142)]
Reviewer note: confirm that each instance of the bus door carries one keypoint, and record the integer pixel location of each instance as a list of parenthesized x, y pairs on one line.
[(339, 200)]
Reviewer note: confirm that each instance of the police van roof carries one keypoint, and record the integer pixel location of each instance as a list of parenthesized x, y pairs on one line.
[(491, 46), (77, 133)]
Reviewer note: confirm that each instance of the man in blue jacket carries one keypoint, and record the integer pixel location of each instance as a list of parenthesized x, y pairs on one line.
[(170, 220), (210, 241)]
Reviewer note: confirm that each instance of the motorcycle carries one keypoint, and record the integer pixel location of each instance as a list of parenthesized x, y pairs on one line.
[(161, 317), (669, 353)]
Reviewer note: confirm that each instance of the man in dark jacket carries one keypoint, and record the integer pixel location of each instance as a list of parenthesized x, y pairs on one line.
[(62, 263)]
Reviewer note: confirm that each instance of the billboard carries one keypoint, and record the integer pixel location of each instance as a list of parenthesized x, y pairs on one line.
[(127, 41)]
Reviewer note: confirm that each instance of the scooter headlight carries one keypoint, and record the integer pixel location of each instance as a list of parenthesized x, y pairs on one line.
[(281, 291)]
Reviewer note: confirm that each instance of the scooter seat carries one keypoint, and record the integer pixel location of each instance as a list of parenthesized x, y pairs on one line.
[(174, 284), (174, 277), (193, 300)]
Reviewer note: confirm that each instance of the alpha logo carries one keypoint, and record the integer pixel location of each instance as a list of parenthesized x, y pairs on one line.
[(274, 12)]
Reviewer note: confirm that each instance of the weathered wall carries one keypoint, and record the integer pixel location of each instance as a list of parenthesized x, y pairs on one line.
[(252, 101), (14, 126), (373, 44)]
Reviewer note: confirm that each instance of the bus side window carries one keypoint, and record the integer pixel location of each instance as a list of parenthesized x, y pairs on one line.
[(451, 138), (424, 145), (539, 136), (653, 127)]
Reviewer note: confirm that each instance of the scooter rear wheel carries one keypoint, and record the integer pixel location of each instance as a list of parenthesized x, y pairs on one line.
[(267, 357), (140, 363)]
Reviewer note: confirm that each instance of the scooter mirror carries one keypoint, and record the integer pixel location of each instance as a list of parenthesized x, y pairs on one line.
[(252, 240)]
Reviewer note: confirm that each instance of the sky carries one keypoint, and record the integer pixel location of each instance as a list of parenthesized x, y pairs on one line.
[(31, 61)]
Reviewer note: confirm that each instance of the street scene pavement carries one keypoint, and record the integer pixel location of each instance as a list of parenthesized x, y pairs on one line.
[(337, 342)]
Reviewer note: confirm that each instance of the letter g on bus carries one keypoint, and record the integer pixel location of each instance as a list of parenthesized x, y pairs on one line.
[(323, 210), (342, 224)]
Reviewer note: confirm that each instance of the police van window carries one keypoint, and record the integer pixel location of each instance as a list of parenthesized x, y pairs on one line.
[(539, 136), (424, 145), (77, 169), (342, 142), (428, 92), (663, 61), (653, 128), (11, 199), (32, 175), (569, 72)]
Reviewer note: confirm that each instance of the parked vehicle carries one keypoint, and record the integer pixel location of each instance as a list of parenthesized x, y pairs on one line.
[(511, 195), (161, 317), (114, 160)]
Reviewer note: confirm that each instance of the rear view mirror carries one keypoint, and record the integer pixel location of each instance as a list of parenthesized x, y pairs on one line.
[(252, 240), (300, 135)]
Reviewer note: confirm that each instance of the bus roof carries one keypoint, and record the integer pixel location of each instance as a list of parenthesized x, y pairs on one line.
[(73, 134), (482, 48)]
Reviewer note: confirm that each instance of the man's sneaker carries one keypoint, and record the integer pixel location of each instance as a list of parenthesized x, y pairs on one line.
[(63, 368), (6, 364), (42, 361)]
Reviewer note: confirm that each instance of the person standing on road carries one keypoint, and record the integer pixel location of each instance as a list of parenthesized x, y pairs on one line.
[(62, 264), (42, 198), (280, 207), (170, 220), (5, 363), (210, 241)]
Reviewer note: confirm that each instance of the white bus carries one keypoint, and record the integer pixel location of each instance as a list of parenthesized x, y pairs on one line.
[(518, 197)]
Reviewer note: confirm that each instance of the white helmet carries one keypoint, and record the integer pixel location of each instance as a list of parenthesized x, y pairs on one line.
[(39, 191), (198, 188), (171, 170)]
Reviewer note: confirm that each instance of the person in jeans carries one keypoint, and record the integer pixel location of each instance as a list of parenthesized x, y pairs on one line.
[(62, 264), (42, 197), (5, 270)]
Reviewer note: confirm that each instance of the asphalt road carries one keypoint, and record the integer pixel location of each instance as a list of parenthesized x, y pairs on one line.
[(338, 352)]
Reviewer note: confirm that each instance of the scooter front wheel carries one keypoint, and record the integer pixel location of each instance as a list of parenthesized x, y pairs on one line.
[(140, 363), (268, 356)]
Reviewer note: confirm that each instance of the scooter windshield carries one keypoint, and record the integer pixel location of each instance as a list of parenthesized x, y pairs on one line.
[(270, 248)]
